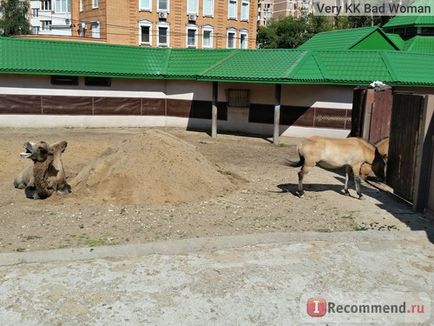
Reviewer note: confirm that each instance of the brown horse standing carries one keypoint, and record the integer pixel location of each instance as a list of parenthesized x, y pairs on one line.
[(334, 153)]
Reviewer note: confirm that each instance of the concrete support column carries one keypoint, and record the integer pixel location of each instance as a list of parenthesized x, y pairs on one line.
[(214, 110), (276, 130)]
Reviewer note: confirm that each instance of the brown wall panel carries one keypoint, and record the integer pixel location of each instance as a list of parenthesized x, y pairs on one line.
[(20, 104), (305, 119), (179, 108), (116, 105), (296, 115), (332, 118), (153, 106), (67, 105)]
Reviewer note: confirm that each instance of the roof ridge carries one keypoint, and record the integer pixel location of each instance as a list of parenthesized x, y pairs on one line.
[(318, 65), (388, 64), (374, 29), (230, 55), (296, 66), (166, 64)]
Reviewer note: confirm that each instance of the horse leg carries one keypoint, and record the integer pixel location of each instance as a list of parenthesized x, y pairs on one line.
[(348, 172), (304, 170), (356, 173)]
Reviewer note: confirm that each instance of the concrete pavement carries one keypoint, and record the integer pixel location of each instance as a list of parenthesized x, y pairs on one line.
[(237, 280)]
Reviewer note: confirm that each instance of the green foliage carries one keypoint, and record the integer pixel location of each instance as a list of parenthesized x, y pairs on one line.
[(286, 32), (364, 21), (13, 19), (289, 32)]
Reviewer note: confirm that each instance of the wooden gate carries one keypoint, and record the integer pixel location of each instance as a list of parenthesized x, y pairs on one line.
[(372, 109), (380, 115), (405, 133), (359, 102)]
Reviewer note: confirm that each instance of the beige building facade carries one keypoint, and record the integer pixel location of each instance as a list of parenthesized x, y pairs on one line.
[(294, 8), (168, 23)]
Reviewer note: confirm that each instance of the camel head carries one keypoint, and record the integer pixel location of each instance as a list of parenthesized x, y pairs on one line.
[(41, 151)]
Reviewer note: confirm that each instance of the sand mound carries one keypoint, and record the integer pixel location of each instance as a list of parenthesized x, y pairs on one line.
[(151, 168)]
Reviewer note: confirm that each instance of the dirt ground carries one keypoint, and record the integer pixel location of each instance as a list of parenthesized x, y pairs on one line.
[(251, 191)]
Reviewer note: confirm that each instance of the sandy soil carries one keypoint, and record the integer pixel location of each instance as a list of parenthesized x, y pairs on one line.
[(233, 185)]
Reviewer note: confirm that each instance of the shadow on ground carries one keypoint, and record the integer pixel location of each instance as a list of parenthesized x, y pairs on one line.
[(401, 210)]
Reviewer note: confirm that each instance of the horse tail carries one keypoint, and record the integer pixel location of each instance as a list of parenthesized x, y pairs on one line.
[(299, 163)]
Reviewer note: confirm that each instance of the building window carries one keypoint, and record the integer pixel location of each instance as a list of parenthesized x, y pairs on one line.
[(207, 37), (62, 6), (81, 5), (64, 80), (163, 5), (35, 12), (97, 81), (82, 29), (192, 6), (46, 5), (163, 36), (95, 30), (245, 6), (145, 33), (427, 31), (95, 4), (232, 9), (145, 5), (243, 40), (231, 39), (208, 8), (35, 30), (191, 37), (46, 25), (238, 97)]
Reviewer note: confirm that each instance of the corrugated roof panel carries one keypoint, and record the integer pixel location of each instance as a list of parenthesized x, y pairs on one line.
[(412, 68), (307, 69), (396, 39), (79, 58), (341, 39), (403, 21), (352, 66), (420, 44), (192, 62), (256, 65)]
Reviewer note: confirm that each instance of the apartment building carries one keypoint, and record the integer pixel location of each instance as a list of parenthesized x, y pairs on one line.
[(265, 12), (50, 17), (168, 23), (294, 8)]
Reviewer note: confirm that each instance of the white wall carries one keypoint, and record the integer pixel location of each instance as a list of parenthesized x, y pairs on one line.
[(295, 95)]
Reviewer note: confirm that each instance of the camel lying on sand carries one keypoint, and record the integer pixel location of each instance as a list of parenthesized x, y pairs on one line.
[(46, 175)]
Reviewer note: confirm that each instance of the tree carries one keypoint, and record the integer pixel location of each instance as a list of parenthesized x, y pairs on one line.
[(13, 19), (289, 32), (364, 21), (286, 32)]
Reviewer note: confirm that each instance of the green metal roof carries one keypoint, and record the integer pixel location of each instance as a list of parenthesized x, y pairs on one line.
[(286, 66), (191, 62), (397, 40), (405, 21), (420, 44), (256, 65), (80, 59), (341, 39), (346, 39)]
